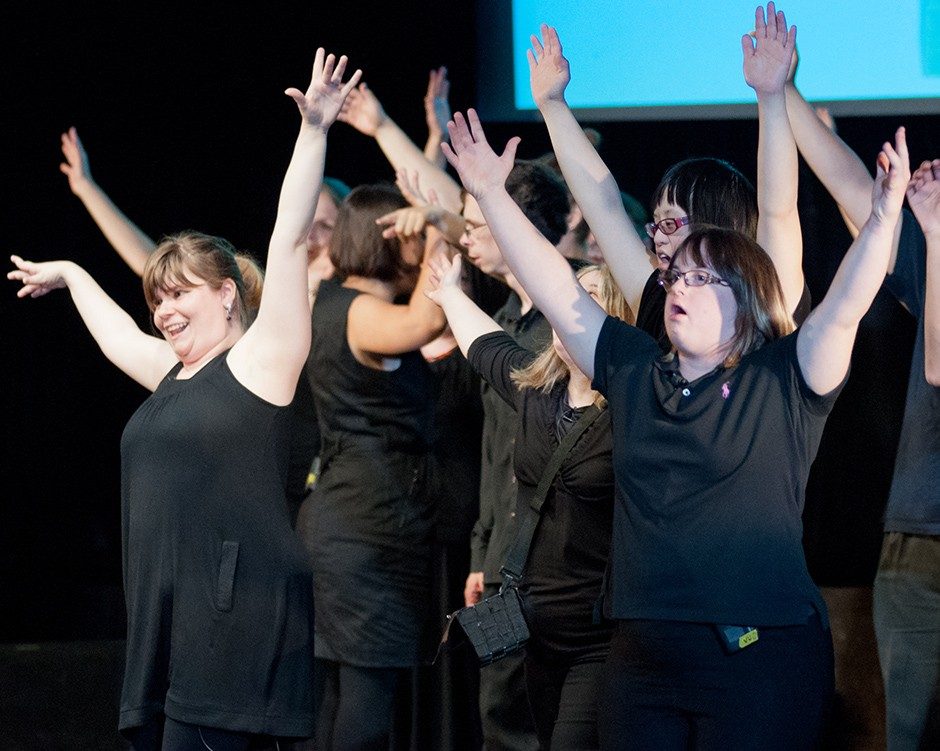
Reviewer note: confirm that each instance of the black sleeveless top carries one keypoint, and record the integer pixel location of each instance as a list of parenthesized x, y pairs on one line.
[(366, 523), (219, 610)]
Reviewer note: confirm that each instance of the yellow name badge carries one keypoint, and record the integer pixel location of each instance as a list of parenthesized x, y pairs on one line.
[(747, 638)]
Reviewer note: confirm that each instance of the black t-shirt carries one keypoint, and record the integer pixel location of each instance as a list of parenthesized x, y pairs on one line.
[(710, 483), (914, 503), (564, 571)]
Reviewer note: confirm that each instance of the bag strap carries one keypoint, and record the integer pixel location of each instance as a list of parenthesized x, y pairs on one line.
[(515, 561)]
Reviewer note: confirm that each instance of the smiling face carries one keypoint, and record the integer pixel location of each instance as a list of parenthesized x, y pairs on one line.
[(700, 321), (482, 249), (321, 230), (665, 246), (193, 317)]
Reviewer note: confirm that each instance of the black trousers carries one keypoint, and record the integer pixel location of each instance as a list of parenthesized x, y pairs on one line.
[(354, 706), (670, 685), (505, 716), (563, 693)]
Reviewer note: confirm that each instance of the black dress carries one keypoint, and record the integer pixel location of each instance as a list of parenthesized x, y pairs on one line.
[(366, 523), (219, 611)]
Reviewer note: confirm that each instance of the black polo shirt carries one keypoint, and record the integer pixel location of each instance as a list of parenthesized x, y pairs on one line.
[(710, 483)]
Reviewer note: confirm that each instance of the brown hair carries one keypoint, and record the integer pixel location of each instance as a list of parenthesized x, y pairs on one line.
[(548, 369), (357, 247), (212, 259), (762, 315)]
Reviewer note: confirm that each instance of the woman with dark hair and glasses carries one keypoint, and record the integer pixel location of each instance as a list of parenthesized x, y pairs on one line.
[(721, 637), (701, 190)]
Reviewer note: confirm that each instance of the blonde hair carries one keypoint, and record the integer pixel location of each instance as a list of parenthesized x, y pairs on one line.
[(212, 259), (548, 369)]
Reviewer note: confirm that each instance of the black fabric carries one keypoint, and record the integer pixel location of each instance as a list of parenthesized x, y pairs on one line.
[(304, 443), (496, 526), (711, 478), (649, 316), (366, 522), (563, 694), (914, 502), (670, 686), (454, 460), (217, 585), (565, 568), (354, 706)]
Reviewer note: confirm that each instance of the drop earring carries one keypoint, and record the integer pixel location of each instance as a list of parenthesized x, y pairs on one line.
[(228, 312)]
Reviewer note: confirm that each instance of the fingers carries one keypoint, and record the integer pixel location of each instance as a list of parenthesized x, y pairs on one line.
[(476, 127), (318, 64), (351, 83), (509, 153), (537, 48), (760, 26)]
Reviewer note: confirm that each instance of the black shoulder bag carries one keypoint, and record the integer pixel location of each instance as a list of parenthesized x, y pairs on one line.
[(495, 626)]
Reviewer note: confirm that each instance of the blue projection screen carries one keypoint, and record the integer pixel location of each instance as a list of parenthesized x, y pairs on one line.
[(649, 59)]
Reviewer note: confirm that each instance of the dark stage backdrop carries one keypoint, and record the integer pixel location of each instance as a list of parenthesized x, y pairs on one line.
[(182, 112)]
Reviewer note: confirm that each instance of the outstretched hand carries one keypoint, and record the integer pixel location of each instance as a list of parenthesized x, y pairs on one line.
[(923, 196), (549, 73), (436, 103), (768, 53), (363, 111), (323, 100), (479, 167), (893, 174), (37, 278), (75, 167), (444, 277)]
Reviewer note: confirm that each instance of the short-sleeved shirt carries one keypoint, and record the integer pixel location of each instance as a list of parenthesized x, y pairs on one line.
[(710, 483), (914, 502)]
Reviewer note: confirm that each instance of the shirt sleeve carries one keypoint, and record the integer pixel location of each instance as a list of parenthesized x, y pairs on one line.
[(619, 344), (494, 356), (908, 281)]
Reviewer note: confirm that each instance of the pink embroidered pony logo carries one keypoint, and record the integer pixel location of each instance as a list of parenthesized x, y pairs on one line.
[(725, 390)]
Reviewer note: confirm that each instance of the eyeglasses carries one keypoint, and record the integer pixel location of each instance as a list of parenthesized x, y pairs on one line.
[(692, 278), (666, 226)]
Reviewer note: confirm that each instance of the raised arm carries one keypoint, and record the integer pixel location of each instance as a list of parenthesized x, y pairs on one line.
[(824, 346), (131, 243), (542, 271), (437, 113), (767, 57), (590, 181), (384, 328), (923, 196), (364, 112), (268, 358), (146, 359), (838, 168), (467, 321)]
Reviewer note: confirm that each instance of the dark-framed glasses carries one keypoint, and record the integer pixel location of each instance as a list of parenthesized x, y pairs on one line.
[(692, 278), (666, 226)]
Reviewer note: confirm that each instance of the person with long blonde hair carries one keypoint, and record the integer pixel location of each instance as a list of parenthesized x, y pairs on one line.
[(563, 575)]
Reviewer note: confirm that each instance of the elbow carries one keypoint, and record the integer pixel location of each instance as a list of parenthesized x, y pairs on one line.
[(932, 371)]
